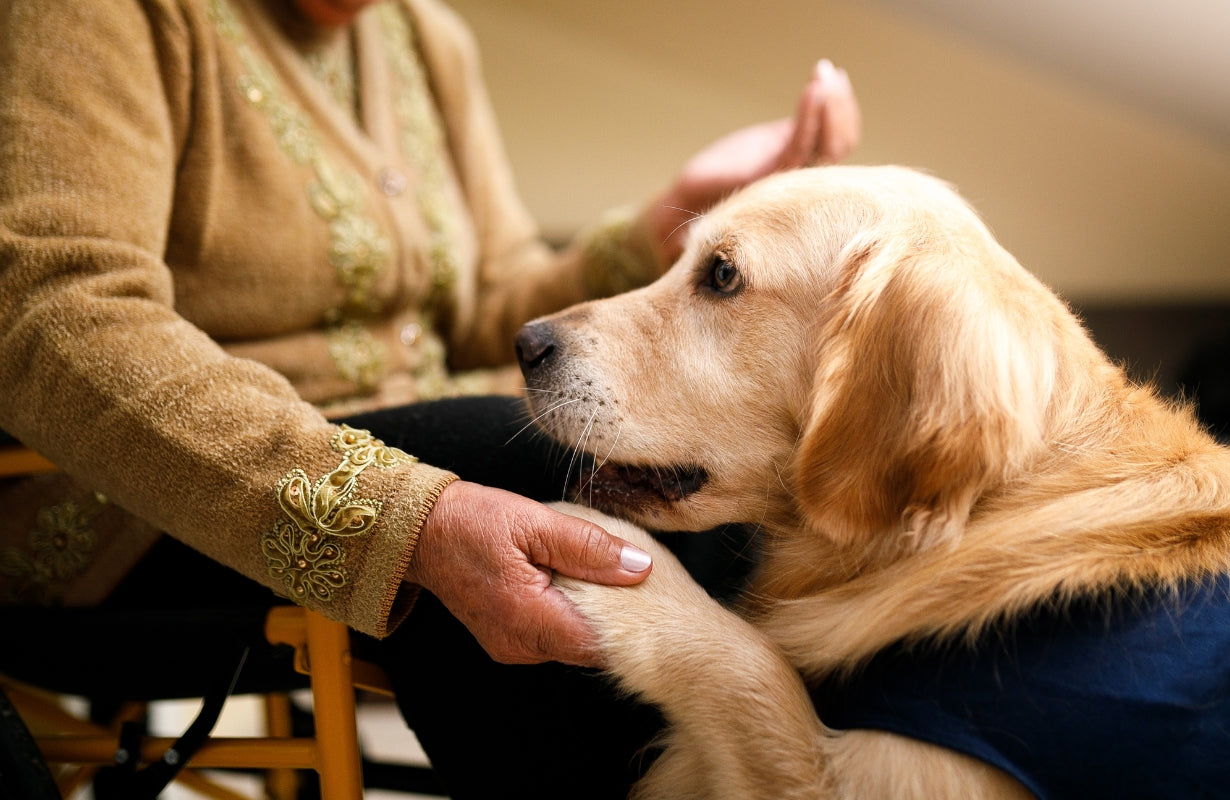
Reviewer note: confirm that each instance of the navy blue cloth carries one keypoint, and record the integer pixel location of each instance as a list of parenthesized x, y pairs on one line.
[(1119, 698)]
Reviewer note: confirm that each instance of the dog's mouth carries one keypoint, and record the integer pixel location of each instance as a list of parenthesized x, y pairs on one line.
[(614, 486)]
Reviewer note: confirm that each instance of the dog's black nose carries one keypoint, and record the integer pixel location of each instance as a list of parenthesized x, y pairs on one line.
[(535, 344)]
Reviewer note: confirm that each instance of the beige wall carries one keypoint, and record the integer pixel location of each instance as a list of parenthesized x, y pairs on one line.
[(600, 102)]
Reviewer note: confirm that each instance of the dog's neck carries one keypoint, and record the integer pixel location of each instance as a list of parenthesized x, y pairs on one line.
[(1144, 501)]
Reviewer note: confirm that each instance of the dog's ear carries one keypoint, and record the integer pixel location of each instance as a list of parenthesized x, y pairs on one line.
[(927, 392)]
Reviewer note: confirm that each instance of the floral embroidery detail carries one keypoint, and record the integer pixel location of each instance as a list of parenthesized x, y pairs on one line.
[(357, 353), (358, 250), (60, 548), (335, 70), (363, 450), (422, 143), (307, 565), (302, 551)]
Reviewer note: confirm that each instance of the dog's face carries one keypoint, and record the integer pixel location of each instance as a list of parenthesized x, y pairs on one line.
[(846, 347)]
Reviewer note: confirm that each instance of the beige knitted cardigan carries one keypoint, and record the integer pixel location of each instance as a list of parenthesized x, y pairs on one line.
[(205, 252)]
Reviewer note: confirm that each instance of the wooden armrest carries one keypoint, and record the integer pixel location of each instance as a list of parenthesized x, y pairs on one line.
[(16, 459)]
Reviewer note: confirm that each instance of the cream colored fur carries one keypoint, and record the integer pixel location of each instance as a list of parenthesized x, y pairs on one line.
[(927, 436)]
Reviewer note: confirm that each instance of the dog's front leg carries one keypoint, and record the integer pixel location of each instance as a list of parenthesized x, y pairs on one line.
[(741, 723)]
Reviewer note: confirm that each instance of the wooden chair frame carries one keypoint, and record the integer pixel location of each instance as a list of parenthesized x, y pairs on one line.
[(322, 651)]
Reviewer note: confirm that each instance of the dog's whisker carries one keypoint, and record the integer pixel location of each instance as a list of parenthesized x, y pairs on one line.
[(589, 431), (579, 450), (536, 417), (598, 463), (607, 457), (747, 551), (556, 406), (781, 479), (695, 216)]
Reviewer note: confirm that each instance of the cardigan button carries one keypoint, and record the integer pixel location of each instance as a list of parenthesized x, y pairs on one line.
[(391, 181)]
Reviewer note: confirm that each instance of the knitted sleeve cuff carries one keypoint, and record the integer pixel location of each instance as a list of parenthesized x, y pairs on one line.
[(618, 254)]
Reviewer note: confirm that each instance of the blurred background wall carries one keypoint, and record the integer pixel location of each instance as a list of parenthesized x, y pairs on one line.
[(1104, 186), (1093, 136)]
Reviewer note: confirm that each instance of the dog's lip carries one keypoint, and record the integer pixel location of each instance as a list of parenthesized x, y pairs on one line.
[(628, 484)]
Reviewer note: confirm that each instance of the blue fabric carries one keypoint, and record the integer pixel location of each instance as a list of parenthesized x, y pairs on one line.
[(1123, 698)]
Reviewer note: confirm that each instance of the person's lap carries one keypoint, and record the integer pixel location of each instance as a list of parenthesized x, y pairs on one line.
[(490, 730)]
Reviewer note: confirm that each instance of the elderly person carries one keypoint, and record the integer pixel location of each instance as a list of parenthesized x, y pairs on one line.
[(241, 243)]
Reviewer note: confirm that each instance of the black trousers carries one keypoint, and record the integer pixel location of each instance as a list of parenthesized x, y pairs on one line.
[(490, 730)]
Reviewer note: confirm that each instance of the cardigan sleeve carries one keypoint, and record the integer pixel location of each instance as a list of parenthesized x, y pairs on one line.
[(518, 277), (102, 375)]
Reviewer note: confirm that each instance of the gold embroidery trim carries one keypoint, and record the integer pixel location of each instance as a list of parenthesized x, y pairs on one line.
[(304, 550), (358, 250), (358, 355), (612, 264), (335, 71), (59, 549), (422, 143)]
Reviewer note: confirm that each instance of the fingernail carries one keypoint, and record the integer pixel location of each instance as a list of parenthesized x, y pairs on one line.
[(826, 69), (634, 559)]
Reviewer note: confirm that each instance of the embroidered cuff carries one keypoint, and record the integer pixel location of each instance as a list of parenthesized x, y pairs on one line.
[(335, 548), (618, 254), (306, 551)]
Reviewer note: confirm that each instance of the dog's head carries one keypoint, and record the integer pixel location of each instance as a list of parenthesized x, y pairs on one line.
[(845, 346)]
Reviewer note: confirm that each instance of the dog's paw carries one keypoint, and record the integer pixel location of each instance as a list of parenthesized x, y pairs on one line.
[(665, 592), (643, 627)]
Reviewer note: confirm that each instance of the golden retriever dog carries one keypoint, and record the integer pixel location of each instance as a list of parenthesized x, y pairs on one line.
[(957, 493)]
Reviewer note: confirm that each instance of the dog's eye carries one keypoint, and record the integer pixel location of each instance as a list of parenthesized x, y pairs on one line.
[(724, 277)]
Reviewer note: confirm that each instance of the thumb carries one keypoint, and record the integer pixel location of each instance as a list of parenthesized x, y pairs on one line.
[(581, 549)]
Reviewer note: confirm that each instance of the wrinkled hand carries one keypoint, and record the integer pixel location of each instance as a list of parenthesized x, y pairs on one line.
[(824, 130), (488, 556)]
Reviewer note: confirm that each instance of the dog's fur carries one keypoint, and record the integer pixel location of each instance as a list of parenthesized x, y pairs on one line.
[(929, 440)]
